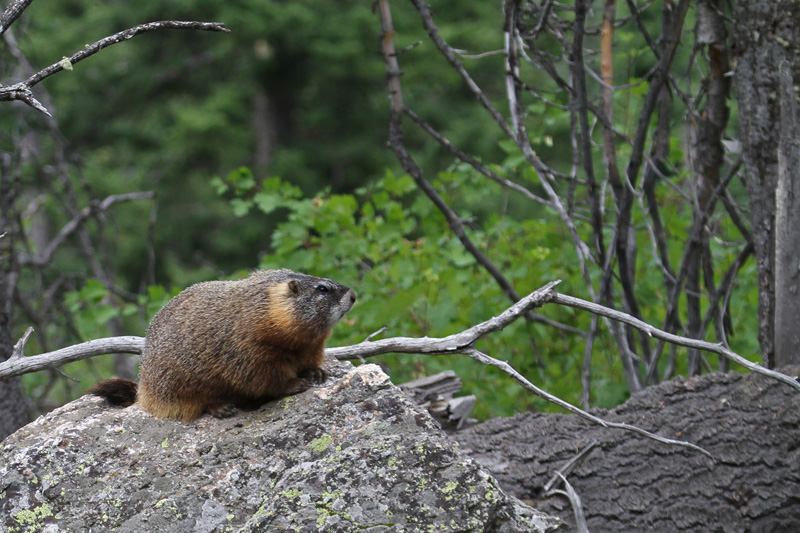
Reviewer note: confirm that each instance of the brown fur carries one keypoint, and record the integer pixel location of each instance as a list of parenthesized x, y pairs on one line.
[(225, 344), (118, 391)]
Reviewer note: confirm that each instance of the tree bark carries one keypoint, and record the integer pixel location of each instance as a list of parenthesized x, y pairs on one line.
[(750, 425), (767, 34), (787, 225)]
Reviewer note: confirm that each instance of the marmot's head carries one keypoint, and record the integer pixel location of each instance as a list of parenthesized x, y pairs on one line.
[(302, 302)]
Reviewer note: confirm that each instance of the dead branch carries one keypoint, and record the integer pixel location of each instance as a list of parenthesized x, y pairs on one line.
[(81, 217), (452, 344), (17, 364), (458, 343), (12, 13), (577, 303), (577, 506), (519, 378), (22, 90)]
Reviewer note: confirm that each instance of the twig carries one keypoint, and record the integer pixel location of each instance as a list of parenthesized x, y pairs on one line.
[(569, 466), (17, 365), (695, 236), (642, 28), (579, 81), (542, 19), (577, 506), (450, 54), (474, 163), (395, 142), (22, 90)]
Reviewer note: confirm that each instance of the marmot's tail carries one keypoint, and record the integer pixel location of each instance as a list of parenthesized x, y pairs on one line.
[(117, 391)]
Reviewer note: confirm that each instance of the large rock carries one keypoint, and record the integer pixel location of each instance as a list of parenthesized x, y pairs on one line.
[(353, 454)]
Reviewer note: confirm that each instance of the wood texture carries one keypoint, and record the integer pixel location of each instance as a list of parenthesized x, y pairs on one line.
[(750, 424)]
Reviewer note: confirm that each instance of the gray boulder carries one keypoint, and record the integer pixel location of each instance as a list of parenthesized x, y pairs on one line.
[(353, 454)]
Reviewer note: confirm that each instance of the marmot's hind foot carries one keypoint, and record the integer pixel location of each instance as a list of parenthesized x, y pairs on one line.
[(223, 411), (315, 375)]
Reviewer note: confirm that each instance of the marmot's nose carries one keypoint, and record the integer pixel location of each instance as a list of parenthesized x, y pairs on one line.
[(352, 297)]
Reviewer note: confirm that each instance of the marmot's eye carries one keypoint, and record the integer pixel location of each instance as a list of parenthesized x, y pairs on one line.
[(322, 288)]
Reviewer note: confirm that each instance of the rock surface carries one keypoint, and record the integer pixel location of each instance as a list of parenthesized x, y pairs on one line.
[(353, 454), (749, 423)]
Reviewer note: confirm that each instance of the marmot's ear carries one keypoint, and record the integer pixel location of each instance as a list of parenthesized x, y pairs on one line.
[(294, 287)]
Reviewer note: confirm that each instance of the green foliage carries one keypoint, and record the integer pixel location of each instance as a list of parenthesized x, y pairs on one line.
[(415, 278), (295, 89), (91, 310)]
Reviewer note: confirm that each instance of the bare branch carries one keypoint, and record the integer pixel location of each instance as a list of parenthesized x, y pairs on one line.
[(519, 378), (542, 19), (474, 163), (19, 347), (22, 90), (450, 54), (12, 13), (642, 28), (82, 216), (577, 303), (395, 142), (18, 365), (451, 344)]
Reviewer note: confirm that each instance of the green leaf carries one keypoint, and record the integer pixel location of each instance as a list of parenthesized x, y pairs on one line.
[(398, 186), (241, 207), (242, 180), (267, 202)]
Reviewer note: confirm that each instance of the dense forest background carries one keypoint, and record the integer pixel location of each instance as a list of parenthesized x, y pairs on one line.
[(267, 147)]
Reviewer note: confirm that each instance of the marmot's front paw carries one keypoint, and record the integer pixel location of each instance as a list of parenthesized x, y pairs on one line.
[(315, 375)]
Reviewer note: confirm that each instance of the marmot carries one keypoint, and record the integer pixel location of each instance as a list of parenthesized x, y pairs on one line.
[(219, 345)]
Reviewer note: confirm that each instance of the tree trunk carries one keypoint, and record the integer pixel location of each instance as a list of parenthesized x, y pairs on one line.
[(767, 36), (749, 423), (13, 407)]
